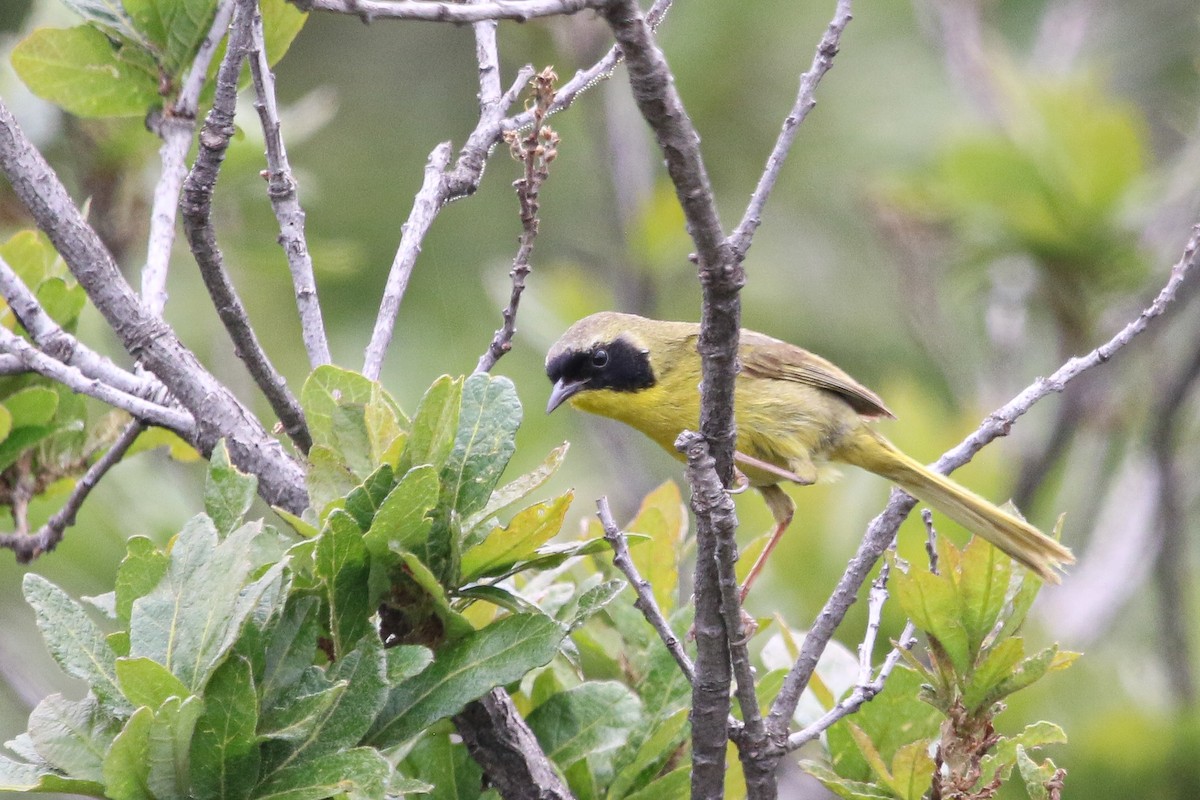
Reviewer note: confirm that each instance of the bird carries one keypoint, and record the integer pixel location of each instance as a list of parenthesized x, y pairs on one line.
[(795, 413)]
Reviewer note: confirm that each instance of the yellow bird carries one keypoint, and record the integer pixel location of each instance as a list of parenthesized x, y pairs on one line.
[(794, 410)]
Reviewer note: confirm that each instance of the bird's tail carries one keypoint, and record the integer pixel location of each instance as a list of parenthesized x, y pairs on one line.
[(1014, 536)]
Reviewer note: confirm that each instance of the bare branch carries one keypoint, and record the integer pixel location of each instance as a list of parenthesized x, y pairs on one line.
[(26, 547), (197, 217), (645, 602), (805, 101), (34, 360), (428, 202), (281, 189), (175, 125), (424, 10), (145, 336), (535, 150), (883, 528), (62, 346)]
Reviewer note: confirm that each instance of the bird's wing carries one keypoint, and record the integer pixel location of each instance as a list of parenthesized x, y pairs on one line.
[(764, 357)]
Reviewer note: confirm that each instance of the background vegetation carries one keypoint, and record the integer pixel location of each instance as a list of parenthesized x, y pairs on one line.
[(943, 237)]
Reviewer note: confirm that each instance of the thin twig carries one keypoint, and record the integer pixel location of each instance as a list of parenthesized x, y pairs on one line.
[(882, 529), (175, 125), (423, 10), (175, 419), (535, 150), (52, 340), (805, 101), (27, 547), (143, 334), (645, 602), (426, 205), (282, 191), (930, 540), (197, 217)]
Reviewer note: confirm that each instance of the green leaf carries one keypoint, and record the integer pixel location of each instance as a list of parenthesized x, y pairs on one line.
[(148, 683), (328, 479), (169, 745), (591, 602), (290, 647), (434, 425), (649, 757), (663, 518), (405, 661), (675, 785), (447, 766), (487, 426), (282, 22), (994, 668), (73, 639), (17, 777), (32, 406), (454, 624), (518, 541), (127, 763), (342, 724), (912, 770), (464, 671), (228, 492), (62, 301), (402, 522), (6, 422), (196, 613), (351, 415), (1004, 755), (300, 709), (983, 586), (83, 71), (72, 735), (176, 27), (364, 500), (516, 489), (108, 15), (341, 561), (591, 720), (1025, 673), (844, 787), (224, 751), (932, 602), (1035, 775), (359, 774), (140, 571)]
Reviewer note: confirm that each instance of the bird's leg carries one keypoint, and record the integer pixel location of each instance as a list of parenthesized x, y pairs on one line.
[(782, 509)]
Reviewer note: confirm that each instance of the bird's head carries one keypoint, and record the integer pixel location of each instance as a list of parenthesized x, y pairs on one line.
[(605, 351)]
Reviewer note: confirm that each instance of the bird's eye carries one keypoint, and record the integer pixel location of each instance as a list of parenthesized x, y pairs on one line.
[(599, 358)]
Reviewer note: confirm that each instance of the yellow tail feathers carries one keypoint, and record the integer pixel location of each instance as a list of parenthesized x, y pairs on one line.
[(1020, 540)]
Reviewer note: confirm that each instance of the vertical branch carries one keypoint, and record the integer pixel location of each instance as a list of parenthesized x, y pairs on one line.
[(197, 217), (281, 189)]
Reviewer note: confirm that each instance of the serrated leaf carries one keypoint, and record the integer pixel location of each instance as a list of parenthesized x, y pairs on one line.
[(78, 646), (341, 562), (83, 71), (224, 751), (434, 425), (72, 735), (402, 522), (1004, 755), (359, 774), (228, 492), (1035, 775), (587, 721), (982, 588), (463, 671), (195, 614), (995, 667), (487, 425), (169, 745), (127, 763), (148, 683), (1025, 673), (518, 541), (504, 496)]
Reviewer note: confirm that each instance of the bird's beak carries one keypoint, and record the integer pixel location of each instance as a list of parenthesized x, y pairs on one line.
[(562, 391)]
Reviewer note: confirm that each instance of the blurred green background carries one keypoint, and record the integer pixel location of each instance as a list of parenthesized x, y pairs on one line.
[(979, 193)]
